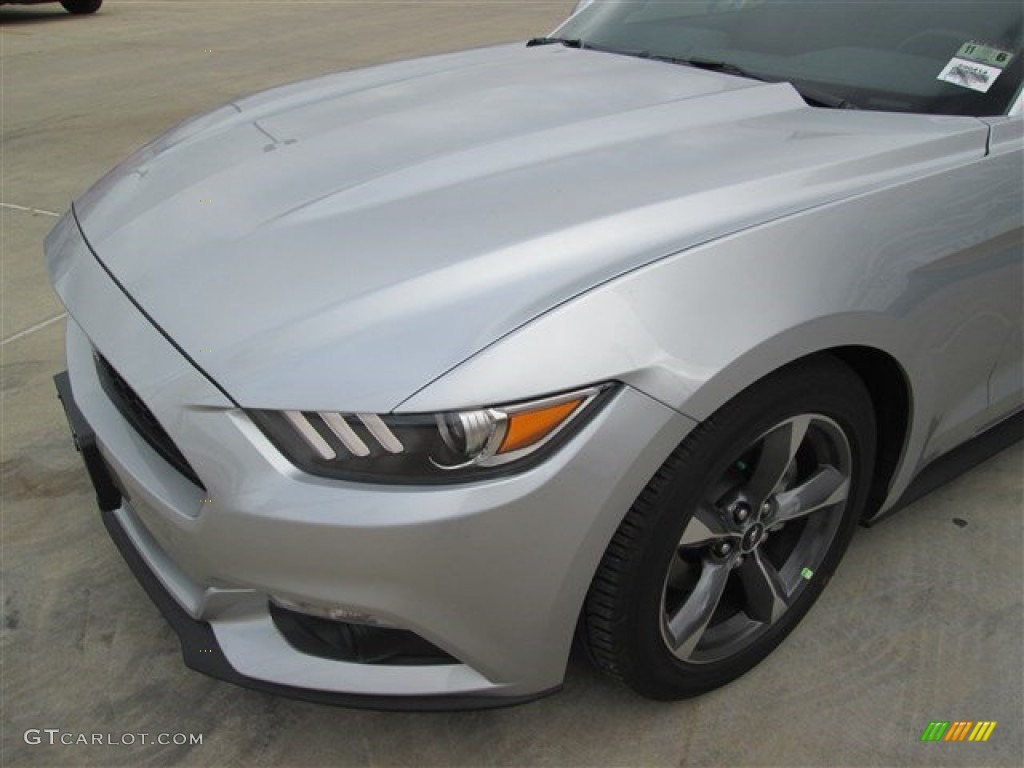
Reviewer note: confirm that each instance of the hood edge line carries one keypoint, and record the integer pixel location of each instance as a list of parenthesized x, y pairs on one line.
[(145, 314)]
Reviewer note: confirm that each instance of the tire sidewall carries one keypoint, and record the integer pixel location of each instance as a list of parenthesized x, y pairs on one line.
[(827, 390)]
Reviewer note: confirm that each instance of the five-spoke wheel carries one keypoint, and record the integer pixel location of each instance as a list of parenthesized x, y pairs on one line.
[(760, 533), (736, 535)]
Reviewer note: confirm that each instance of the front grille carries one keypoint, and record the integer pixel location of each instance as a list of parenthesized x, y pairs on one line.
[(141, 418)]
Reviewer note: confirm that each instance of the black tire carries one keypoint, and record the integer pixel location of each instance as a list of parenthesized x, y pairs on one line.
[(81, 6), (702, 580)]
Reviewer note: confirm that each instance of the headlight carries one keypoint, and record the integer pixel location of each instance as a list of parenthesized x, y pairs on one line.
[(428, 448)]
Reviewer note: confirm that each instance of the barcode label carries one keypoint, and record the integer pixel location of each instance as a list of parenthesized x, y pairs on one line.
[(969, 74)]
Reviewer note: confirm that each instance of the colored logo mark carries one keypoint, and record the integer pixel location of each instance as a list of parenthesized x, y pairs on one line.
[(958, 730)]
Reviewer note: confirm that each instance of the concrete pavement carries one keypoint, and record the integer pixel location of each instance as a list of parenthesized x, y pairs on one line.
[(923, 622)]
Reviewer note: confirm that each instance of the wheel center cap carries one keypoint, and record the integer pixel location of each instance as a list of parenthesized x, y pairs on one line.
[(753, 536)]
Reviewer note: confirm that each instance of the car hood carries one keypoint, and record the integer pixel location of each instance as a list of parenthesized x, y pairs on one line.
[(340, 243)]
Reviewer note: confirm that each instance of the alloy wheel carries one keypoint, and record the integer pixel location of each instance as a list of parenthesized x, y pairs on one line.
[(756, 539)]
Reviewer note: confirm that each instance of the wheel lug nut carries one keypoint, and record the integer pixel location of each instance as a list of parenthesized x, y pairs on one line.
[(741, 513), (722, 548), (766, 510)]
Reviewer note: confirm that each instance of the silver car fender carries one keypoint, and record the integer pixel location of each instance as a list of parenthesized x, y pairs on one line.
[(932, 285)]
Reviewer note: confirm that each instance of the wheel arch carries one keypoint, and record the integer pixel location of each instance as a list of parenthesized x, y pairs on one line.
[(885, 379), (889, 387)]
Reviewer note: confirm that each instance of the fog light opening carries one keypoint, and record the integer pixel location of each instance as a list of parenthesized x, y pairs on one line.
[(315, 634)]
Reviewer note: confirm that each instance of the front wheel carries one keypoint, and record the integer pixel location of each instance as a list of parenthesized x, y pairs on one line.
[(81, 6), (736, 535)]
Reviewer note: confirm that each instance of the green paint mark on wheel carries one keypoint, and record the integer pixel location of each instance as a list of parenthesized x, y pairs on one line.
[(807, 573)]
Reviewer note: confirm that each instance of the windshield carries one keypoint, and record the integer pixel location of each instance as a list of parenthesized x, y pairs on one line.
[(951, 58)]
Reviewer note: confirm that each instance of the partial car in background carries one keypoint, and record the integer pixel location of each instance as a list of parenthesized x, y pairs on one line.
[(393, 382), (71, 6)]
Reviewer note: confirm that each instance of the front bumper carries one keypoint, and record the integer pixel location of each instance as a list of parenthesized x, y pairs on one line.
[(199, 646), (492, 573), (202, 652)]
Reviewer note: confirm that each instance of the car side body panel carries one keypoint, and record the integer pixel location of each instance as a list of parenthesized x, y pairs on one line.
[(1006, 385), (934, 282)]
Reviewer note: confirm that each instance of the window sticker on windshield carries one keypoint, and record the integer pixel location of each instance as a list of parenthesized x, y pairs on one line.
[(969, 74), (975, 66), (984, 54)]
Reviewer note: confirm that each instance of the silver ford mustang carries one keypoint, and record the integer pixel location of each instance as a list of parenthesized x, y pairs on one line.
[(394, 382)]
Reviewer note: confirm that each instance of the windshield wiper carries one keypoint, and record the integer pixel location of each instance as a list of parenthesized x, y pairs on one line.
[(568, 42), (714, 65), (577, 43), (810, 94)]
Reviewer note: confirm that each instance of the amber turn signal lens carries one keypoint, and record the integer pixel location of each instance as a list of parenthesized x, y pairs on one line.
[(529, 427)]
